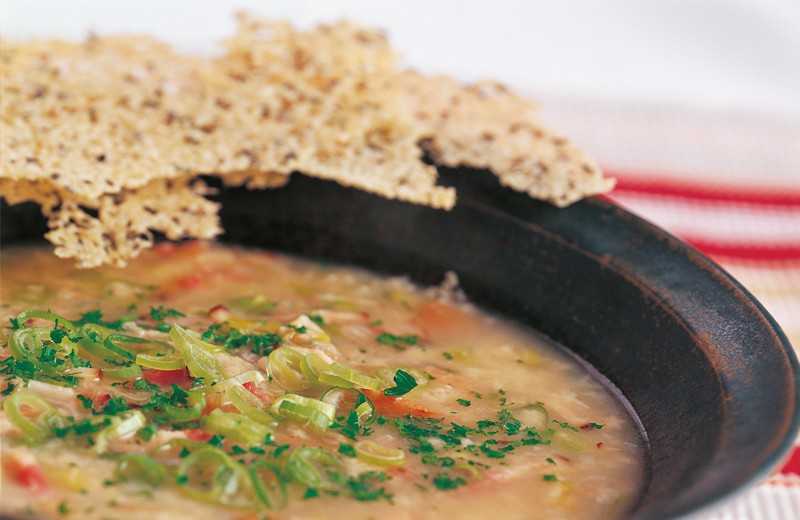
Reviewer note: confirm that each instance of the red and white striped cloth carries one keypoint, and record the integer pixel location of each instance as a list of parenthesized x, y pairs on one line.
[(728, 184), (755, 235)]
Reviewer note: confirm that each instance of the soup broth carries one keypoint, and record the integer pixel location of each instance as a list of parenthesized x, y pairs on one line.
[(205, 381)]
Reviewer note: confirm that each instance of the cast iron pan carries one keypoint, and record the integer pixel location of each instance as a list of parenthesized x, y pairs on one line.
[(710, 374)]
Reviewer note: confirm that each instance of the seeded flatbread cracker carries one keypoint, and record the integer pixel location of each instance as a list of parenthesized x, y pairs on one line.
[(109, 135), (486, 126)]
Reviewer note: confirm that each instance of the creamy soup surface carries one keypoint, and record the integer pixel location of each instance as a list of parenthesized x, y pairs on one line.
[(204, 381)]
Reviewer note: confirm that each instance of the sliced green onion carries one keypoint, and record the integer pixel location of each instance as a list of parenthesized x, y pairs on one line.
[(27, 343), (32, 415), (569, 439), (305, 409), (312, 366), (211, 475), (134, 466), (110, 342), (45, 315), (256, 304), (251, 376), (236, 427), (91, 340), (313, 467), (533, 416), (201, 361), (198, 339), (285, 368), (340, 375), (196, 403), (375, 454), (126, 372), (123, 425), (249, 405), (268, 483), (347, 400), (173, 361)]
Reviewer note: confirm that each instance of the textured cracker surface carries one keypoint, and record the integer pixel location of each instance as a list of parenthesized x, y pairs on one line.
[(109, 135)]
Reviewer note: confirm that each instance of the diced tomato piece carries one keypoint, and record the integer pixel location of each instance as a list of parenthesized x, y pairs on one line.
[(196, 434), (32, 477), (165, 378), (219, 313), (256, 392), (396, 406), (26, 472), (191, 281)]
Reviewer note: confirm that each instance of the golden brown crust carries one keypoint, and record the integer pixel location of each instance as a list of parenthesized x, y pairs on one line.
[(108, 135)]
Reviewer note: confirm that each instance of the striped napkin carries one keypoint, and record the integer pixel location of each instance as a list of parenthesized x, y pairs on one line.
[(728, 184), (755, 236)]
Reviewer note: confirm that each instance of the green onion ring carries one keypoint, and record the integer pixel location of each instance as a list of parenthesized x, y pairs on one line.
[(311, 466), (196, 403), (45, 315), (135, 466), (211, 475), (32, 415), (285, 368), (268, 483), (305, 409), (340, 375), (201, 361), (236, 427), (347, 400), (377, 455), (249, 405), (124, 372)]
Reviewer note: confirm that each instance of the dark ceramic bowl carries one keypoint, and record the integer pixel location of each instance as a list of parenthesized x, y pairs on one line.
[(710, 374)]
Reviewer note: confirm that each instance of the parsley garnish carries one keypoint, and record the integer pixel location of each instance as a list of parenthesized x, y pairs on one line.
[(464, 402), (445, 481), (147, 432), (404, 383), (347, 450), (160, 313), (398, 342), (63, 508), (565, 425), (261, 344), (115, 405), (144, 384), (87, 402)]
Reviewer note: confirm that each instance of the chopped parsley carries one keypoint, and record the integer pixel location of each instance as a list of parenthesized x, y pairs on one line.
[(347, 450), (398, 342), (565, 425), (464, 402), (261, 344), (160, 313), (87, 402), (445, 481), (404, 383)]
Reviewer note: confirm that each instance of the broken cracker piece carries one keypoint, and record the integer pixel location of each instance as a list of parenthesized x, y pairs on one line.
[(109, 135)]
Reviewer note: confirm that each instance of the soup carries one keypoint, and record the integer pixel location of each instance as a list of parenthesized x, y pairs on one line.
[(210, 381)]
